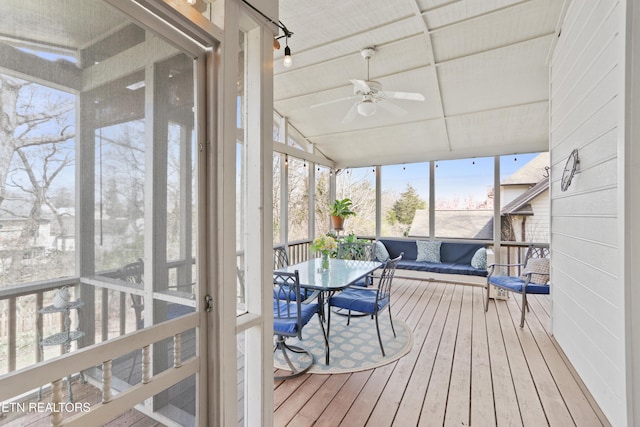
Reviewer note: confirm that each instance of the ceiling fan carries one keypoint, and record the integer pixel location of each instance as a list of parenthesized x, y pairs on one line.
[(371, 95)]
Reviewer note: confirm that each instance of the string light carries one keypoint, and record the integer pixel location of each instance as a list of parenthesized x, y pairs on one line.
[(286, 160), (287, 61)]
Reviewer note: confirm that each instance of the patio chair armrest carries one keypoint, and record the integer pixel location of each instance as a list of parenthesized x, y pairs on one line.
[(504, 265), (492, 267)]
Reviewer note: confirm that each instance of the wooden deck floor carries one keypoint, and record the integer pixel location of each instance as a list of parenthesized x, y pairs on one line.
[(465, 369)]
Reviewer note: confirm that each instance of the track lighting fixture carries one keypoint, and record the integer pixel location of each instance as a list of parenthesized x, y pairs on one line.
[(191, 2)]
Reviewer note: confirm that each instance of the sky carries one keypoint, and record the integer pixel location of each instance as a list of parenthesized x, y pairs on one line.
[(460, 178)]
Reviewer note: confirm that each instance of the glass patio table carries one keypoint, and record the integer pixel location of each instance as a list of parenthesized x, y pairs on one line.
[(325, 282)]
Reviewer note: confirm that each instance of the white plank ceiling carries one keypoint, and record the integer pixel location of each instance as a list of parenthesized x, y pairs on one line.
[(482, 66)]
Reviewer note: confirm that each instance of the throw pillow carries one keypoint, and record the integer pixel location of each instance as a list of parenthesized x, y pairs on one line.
[(539, 267), (479, 259), (381, 252), (428, 251)]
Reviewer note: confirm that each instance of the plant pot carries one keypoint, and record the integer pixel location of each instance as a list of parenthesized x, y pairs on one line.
[(337, 222), (61, 298)]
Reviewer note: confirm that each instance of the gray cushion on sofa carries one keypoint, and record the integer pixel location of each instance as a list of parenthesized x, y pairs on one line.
[(381, 253), (479, 259), (428, 251)]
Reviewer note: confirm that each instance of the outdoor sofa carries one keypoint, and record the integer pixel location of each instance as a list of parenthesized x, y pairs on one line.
[(452, 263)]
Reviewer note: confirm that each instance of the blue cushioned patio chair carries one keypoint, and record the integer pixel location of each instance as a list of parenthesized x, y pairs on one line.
[(534, 278), (368, 300), (290, 315)]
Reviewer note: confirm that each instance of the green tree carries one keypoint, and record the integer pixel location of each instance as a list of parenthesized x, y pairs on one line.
[(404, 209)]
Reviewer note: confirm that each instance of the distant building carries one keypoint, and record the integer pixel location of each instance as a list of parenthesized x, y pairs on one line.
[(525, 202), (524, 196)]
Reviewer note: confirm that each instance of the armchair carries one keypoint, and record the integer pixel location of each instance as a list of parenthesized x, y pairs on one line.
[(369, 301), (533, 280)]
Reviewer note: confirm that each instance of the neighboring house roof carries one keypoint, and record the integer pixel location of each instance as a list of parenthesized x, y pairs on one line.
[(477, 224), (530, 173), (521, 204)]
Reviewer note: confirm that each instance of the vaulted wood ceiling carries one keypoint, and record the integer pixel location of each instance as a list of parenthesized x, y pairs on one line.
[(482, 66)]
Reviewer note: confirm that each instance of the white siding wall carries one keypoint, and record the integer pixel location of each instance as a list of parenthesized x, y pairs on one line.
[(537, 227), (587, 111)]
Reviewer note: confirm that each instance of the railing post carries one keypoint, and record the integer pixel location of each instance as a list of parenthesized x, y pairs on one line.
[(56, 399), (39, 322), (146, 364), (12, 334), (105, 314), (177, 350), (106, 381)]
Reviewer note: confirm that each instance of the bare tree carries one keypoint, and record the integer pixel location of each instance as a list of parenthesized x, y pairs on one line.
[(31, 117), (25, 121)]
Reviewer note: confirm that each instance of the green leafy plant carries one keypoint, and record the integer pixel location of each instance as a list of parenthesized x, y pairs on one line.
[(342, 208)]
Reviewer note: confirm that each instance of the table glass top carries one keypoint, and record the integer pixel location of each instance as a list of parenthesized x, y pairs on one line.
[(341, 273)]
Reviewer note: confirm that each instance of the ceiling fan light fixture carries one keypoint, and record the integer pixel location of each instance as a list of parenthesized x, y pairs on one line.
[(367, 108)]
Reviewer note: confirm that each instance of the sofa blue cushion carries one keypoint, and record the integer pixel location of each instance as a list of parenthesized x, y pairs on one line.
[(515, 284), (440, 267), (395, 247), (458, 253)]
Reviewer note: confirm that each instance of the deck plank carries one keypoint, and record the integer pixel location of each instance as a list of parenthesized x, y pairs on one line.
[(458, 402), (370, 395), (505, 401), (481, 367), (526, 393), (552, 402), (413, 399), (579, 406), (435, 402), (384, 414), (482, 404)]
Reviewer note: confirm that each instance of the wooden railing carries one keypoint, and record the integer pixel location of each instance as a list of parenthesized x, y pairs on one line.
[(28, 379), (19, 305), (299, 251)]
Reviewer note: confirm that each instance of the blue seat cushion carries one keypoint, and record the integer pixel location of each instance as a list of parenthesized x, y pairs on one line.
[(286, 322), (281, 293), (441, 267), (515, 284), (362, 300)]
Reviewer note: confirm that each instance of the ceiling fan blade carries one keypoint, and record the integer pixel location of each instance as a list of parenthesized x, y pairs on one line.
[(360, 86), (353, 112), (392, 108), (333, 101), (410, 96)]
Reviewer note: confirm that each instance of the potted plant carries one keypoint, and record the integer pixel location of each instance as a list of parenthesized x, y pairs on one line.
[(340, 210)]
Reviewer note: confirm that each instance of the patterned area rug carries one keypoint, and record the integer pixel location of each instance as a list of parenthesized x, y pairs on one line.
[(353, 348)]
